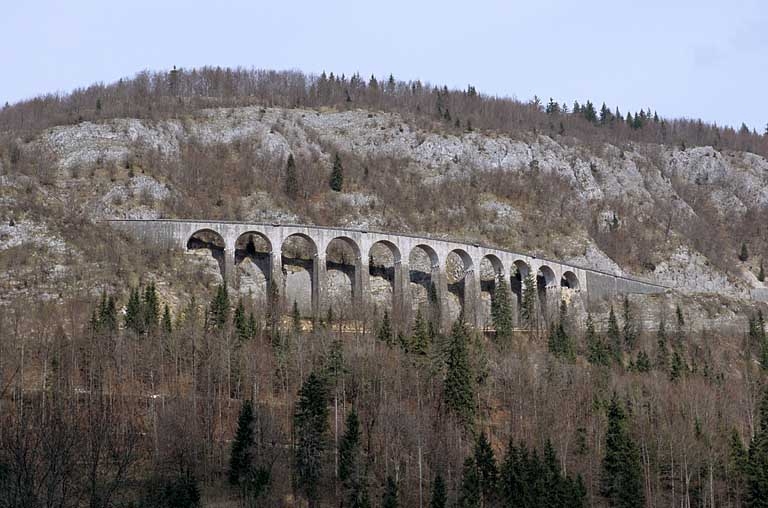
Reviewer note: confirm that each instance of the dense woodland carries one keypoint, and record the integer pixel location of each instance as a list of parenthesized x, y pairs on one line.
[(122, 403)]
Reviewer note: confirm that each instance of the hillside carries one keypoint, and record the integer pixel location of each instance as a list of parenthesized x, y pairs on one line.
[(618, 199)]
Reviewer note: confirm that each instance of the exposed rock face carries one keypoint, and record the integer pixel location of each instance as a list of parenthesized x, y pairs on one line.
[(638, 175)]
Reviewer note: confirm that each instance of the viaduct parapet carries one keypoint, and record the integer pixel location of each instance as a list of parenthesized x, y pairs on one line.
[(228, 241)]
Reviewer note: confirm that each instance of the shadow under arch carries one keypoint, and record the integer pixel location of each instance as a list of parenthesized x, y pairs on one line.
[(342, 273), (211, 240), (253, 261), (384, 264), (300, 274), (569, 280)]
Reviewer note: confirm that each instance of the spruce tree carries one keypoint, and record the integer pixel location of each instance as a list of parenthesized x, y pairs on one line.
[(296, 318), (389, 499), (757, 466), (501, 310), (621, 475), (487, 471), (167, 324), (597, 352), (458, 386), (614, 337), (744, 253), (337, 174), (349, 449), (218, 313), (528, 309), (469, 490), (419, 343), (629, 328), (310, 424), (291, 180), (151, 308), (240, 458), (761, 273), (439, 497), (240, 322), (662, 353), (133, 318), (384, 333)]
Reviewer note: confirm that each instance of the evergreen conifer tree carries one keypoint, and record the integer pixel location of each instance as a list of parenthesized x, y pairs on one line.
[(528, 308), (458, 387), (614, 337), (439, 497), (621, 476), (219, 309), (385, 334), (133, 318), (662, 353), (757, 466), (629, 328), (337, 174), (240, 322), (291, 180), (167, 324), (351, 471), (310, 424), (761, 273), (487, 471), (597, 352), (419, 343), (389, 499), (680, 332), (296, 318), (501, 310), (744, 252), (241, 458), (470, 491), (151, 308), (677, 367)]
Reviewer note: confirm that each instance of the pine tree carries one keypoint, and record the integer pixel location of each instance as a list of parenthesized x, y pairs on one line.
[(151, 308), (470, 490), (348, 449), (167, 324), (385, 334), (757, 465), (643, 362), (133, 318), (419, 343), (389, 499), (761, 273), (662, 353), (614, 337), (501, 310), (337, 174), (744, 253), (310, 424), (597, 352), (240, 322), (291, 180), (680, 332), (621, 476), (241, 458), (677, 367), (487, 471), (458, 386), (629, 329), (528, 309), (218, 313), (439, 497)]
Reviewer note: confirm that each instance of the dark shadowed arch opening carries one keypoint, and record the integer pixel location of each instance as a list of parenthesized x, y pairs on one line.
[(299, 255), (382, 260), (207, 239), (491, 270), (457, 264), (341, 259), (422, 263), (545, 278), (253, 261), (569, 280)]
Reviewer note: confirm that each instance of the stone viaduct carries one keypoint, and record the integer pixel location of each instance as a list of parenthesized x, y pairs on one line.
[(230, 242)]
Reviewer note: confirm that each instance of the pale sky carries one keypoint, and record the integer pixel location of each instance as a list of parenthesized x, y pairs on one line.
[(689, 58)]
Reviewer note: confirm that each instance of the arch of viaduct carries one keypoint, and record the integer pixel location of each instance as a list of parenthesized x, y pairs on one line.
[(553, 276)]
